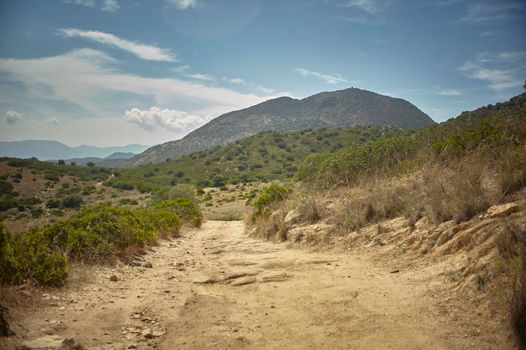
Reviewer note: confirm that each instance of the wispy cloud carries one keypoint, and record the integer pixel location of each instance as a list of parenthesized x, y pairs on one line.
[(185, 72), (329, 79), (370, 6), (504, 70), (143, 51), (156, 118), (437, 3), (110, 5), (183, 4), (448, 92), (86, 3), (105, 5), (53, 121), (87, 74), (243, 82), (12, 117), (362, 20), (484, 13)]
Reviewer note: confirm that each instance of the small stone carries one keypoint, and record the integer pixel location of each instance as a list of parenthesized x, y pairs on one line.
[(147, 264), (157, 334), (50, 342), (499, 211), (147, 333), (114, 278), (25, 292)]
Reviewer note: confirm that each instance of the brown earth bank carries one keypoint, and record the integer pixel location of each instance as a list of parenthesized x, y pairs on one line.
[(216, 288)]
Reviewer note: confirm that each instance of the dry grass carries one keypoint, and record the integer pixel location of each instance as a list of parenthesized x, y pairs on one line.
[(511, 244), (458, 192), (311, 209), (271, 227)]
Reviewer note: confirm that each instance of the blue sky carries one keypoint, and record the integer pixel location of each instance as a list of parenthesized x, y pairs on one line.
[(113, 72)]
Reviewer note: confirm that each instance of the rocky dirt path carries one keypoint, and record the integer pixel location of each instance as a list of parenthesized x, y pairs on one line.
[(214, 288)]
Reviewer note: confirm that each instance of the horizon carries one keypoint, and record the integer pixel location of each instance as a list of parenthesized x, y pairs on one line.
[(151, 72)]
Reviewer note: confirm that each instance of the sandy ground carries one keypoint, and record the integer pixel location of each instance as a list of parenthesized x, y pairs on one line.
[(214, 288)]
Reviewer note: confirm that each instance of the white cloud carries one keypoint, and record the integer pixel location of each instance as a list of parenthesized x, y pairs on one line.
[(237, 81), (12, 117), (362, 21), (146, 52), (86, 75), (156, 118), (87, 3), (483, 12), (329, 79), (52, 121), (185, 72), (105, 5), (370, 6), (182, 69), (501, 71), (110, 5), (243, 82), (436, 3), (183, 4), (201, 76), (448, 92)]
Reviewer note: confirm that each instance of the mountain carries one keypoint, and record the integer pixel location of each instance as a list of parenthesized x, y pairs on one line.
[(114, 160), (48, 150), (121, 155), (344, 108)]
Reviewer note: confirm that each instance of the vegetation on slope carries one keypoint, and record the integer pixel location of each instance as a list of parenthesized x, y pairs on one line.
[(35, 193), (449, 171), (437, 178), (344, 108), (95, 234), (263, 157)]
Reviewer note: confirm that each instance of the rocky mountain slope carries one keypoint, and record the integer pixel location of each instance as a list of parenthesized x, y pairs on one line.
[(349, 107)]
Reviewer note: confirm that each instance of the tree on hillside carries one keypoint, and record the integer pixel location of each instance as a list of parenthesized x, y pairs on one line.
[(61, 162), (90, 164), (524, 86)]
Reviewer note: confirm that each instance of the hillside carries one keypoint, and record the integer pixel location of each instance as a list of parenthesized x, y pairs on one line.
[(447, 201), (48, 150), (263, 157), (344, 108), (114, 160)]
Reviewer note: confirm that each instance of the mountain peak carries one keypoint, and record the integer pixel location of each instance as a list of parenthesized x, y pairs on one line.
[(330, 109)]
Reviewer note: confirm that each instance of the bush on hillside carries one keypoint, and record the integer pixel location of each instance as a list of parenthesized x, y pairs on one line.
[(186, 208), (93, 235), (269, 195)]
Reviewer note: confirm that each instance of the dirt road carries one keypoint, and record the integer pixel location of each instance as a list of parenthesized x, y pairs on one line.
[(214, 288)]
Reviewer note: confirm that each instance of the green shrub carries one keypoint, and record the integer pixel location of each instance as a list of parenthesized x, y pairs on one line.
[(7, 203), (30, 256), (53, 203), (93, 235), (88, 190), (128, 201), (52, 177), (71, 202), (186, 208), (271, 194), (6, 187)]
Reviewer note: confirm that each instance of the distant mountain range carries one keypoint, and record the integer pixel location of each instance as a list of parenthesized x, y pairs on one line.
[(114, 160), (344, 108), (53, 150)]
